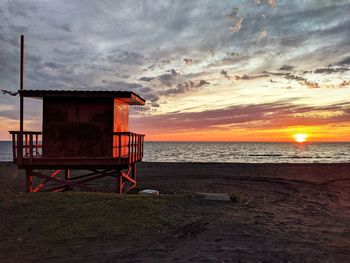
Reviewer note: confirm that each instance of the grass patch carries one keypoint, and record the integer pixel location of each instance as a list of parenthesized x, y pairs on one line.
[(43, 218)]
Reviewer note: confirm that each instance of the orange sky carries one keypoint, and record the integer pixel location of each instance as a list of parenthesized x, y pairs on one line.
[(314, 134)]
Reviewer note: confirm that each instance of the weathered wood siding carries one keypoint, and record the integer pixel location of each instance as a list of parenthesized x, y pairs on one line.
[(78, 127)]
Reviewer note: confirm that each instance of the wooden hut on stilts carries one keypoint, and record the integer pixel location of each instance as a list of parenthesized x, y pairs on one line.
[(82, 130)]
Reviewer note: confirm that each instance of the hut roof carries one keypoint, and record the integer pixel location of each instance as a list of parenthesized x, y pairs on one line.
[(126, 96)]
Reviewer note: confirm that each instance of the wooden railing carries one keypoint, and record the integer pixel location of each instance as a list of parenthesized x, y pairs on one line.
[(125, 145), (28, 147), (128, 145)]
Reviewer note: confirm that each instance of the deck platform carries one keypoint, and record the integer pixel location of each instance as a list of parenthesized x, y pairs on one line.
[(121, 164)]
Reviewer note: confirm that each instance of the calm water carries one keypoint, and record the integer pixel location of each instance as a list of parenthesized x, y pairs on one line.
[(234, 152)]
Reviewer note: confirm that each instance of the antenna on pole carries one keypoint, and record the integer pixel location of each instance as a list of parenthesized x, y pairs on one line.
[(20, 139)]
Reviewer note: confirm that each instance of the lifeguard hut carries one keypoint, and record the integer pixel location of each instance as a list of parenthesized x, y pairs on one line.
[(82, 130)]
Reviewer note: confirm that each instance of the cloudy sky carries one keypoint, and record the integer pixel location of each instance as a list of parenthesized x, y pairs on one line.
[(247, 70)]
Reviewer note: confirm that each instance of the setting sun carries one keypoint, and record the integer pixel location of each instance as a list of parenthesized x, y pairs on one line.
[(300, 137)]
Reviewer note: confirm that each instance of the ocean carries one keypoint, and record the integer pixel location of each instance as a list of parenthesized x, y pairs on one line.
[(235, 152)]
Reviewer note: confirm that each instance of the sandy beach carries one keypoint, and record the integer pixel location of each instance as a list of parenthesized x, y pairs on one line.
[(283, 213)]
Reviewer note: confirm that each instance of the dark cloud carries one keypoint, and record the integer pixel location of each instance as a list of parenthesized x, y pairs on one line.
[(54, 65), (345, 83), (124, 57), (145, 89), (169, 79), (286, 68), (249, 77), (225, 74), (288, 75), (202, 82), (66, 28), (303, 81), (233, 13), (311, 84), (294, 77), (236, 18), (345, 61), (232, 54), (144, 92), (146, 79), (150, 97), (180, 88), (330, 70), (184, 87)]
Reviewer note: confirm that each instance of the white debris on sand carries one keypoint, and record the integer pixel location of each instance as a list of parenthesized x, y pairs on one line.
[(149, 192)]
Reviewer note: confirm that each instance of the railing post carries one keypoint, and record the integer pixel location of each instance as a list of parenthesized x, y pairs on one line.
[(129, 154), (19, 147), (132, 147), (31, 147), (36, 144), (14, 146), (138, 146), (26, 145), (135, 146), (142, 145), (120, 145)]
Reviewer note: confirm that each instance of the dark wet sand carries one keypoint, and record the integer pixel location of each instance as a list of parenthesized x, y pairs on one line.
[(286, 213)]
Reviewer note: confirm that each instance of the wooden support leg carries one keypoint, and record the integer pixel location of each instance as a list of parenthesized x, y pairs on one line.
[(133, 173), (127, 179), (119, 185), (67, 177), (29, 181), (67, 174)]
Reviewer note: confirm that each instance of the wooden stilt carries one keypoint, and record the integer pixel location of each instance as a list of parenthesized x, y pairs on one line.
[(133, 173), (127, 179), (67, 174), (42, 184), (67, 177), (29, 181), (119, 183)]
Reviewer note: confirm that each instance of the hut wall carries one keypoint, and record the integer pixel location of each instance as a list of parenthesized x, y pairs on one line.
[(77, 127)]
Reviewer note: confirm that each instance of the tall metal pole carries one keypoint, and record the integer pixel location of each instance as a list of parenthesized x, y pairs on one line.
[(20, 139)]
